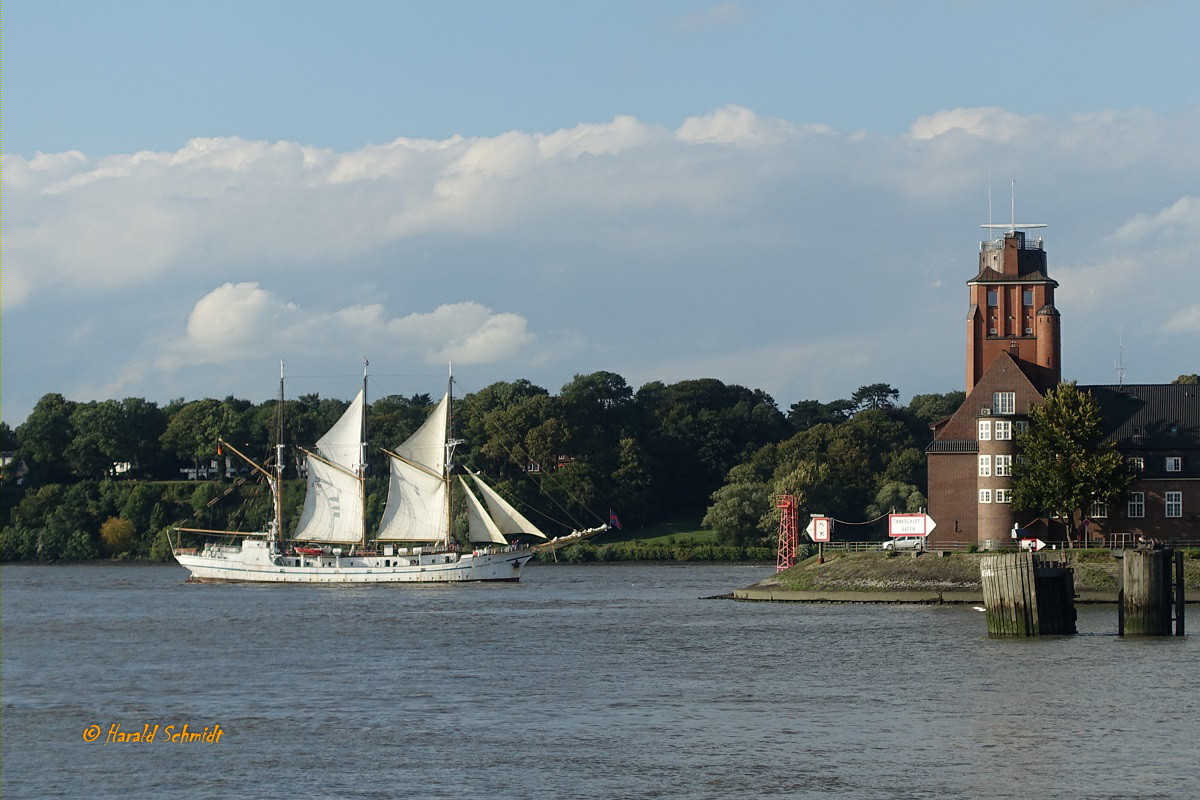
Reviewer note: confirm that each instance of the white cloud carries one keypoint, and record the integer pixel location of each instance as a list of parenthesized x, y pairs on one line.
[(733, 125), (1186, 321), (235, 322), (722, 247), (1181, 220), (995, 124)]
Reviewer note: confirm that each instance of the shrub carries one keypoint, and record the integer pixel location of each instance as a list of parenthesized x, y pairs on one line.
[(117, 534)]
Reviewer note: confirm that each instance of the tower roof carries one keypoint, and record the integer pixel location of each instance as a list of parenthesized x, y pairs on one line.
[(989, 275)]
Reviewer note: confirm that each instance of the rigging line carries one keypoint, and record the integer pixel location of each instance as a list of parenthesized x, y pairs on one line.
[(514, 446), (535, 510)]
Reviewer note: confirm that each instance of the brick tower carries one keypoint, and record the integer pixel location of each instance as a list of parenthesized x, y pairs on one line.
[(1012, 310), (1013, 359)]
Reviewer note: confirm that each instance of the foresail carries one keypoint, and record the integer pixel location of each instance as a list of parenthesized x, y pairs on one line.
[(333, 507), (427, 446), (508, 520), (416, 505), (480, 525)]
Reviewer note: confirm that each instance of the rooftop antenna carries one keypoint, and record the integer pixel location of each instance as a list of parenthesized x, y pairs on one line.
[(989, 197), (1013, 225), (1120, 365)]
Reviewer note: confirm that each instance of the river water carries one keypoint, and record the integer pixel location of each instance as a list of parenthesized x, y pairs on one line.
[(600, 681)]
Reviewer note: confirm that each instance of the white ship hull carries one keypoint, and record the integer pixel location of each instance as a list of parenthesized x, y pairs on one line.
[(258, 561)]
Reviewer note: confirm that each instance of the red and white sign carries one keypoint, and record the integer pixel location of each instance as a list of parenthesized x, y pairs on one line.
[(1032, 544), (910, 525), (819, 529)]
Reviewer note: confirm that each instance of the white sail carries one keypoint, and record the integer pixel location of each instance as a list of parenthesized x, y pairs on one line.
[(343, 444), (416, 509), (333, 506), (416, 505), (480, 526), (507, 518), (427, 446)]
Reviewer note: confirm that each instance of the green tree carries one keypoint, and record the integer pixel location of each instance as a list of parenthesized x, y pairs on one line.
[(18, 543), (45, 436), (1189, 379), (896, 496), (8, 439), (633, 484), (805, 414), (880, 396), (929, 408), (737, 510), (193, 430), (1067, 465), (69, 529)]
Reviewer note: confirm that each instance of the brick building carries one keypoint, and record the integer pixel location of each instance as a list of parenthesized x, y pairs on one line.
[(1014, 350)]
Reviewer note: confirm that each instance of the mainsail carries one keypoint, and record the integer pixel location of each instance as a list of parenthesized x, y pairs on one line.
[(333, 506), (416, 509)]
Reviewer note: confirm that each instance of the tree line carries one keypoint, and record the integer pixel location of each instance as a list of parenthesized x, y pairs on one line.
[(103, 478)]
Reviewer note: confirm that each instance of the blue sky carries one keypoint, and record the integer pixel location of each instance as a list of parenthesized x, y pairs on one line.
[(780, 194)]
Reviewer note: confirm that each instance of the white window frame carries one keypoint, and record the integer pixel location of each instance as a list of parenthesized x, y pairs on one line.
[(985, 430), (985, 466), (985, 495), (1004, 495), (1135, 508), (1174, 463), (1099, 511), (1004, 402), (1020, 426), (1136, 463), (1003, 430), (1003, 466), (1173, 505)]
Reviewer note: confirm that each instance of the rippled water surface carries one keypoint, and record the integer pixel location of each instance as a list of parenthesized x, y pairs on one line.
[(579, 682)]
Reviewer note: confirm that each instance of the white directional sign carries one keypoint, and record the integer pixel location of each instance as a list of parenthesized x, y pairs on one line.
[(819, 529), (910, 524), (1032, 544)]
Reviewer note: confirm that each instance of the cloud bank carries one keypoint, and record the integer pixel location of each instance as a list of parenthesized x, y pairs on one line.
[(240, 321), (726, 246)]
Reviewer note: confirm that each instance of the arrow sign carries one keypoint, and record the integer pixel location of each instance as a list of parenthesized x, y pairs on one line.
[(819, 529), (910, 524), (1032, 544)]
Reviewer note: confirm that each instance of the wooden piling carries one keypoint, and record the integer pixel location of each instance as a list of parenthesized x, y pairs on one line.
[(1180, 601), (1152, 594), (1027, 596), (1055, 583)]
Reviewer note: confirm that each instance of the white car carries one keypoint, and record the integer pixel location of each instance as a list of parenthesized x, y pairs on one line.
[(905, 543)]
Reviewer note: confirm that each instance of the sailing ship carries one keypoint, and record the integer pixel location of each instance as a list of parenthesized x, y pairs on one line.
[(413, 543)]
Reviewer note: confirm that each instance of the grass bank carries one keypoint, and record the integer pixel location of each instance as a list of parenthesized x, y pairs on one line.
[(1096, 572)]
